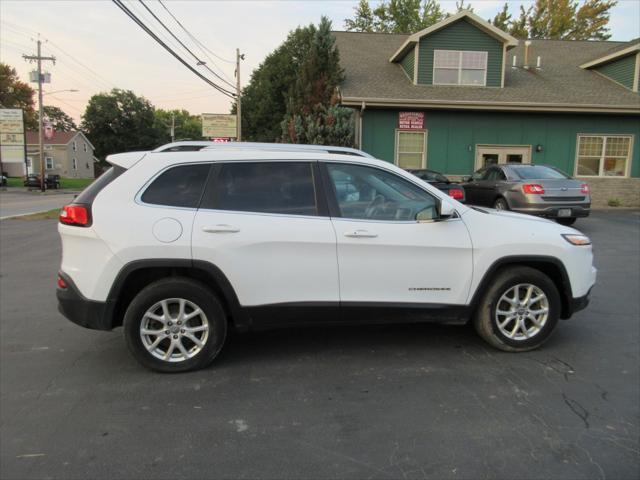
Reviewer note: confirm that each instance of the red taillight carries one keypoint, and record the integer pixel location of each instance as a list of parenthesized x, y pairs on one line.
[(61, 283), (74, 215), (584, 188), (532, 188), (456, 193)]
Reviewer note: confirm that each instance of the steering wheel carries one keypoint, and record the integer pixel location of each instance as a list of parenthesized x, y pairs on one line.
[(374, 206)]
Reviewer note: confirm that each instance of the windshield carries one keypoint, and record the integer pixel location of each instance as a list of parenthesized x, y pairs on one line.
[(430, 176), (538, 172)]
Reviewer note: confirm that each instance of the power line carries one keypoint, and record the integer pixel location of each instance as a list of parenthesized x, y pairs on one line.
[(136, 20), (203, 48), (200, 62), (90, 70)]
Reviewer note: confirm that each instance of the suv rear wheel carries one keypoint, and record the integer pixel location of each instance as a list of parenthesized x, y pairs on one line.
[(175, 325), (519, 310)]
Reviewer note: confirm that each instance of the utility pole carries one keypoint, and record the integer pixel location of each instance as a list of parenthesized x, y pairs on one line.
[(39, 58), (173, 127), (238, 97)]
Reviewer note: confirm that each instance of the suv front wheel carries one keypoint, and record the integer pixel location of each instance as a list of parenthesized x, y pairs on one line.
[(175, 325), (519, 310)]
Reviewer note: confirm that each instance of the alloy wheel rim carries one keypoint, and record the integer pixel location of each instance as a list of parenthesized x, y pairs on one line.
[(174, 330), (522, 312)]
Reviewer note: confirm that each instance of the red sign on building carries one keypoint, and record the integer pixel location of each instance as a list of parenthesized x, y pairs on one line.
[(411, 120)]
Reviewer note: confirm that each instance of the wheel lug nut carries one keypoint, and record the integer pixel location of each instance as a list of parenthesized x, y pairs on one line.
[(179, 322), (175, 336), (170, 323), (167, 332), (182, 330)]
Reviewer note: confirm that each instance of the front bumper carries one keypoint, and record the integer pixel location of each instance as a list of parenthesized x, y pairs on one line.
[(80, 310)]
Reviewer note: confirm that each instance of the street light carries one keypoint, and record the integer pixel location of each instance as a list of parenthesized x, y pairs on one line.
[(59, 91)]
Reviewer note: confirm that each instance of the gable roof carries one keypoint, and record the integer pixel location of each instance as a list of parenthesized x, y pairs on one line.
[(561, 85), (470, 16), (59, 138), (615, 53)]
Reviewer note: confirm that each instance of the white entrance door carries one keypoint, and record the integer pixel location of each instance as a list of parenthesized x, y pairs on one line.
[(497, 154)]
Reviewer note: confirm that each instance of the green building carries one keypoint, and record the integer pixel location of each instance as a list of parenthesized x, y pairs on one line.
[(462, 94)]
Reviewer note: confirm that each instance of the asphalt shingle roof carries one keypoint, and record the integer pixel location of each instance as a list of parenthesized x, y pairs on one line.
[(59, 138), (559, 83)]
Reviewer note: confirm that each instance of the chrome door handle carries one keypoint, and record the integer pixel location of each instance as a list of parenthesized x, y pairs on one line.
[(220, 229), (360, 234)]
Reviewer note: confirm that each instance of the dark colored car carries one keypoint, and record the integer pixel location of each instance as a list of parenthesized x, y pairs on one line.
[(533, 189), (50, 181), (438, 180)]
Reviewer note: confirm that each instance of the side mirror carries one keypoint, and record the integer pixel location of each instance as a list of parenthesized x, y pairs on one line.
[(446, 210), (467, 178)]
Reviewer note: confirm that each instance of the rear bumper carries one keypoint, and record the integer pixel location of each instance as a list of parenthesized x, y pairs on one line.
[(80, 310), (552, 211)]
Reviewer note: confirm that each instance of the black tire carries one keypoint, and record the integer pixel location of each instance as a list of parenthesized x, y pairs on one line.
[(485, 321), (176, 288), (566, 221), (501, 204)]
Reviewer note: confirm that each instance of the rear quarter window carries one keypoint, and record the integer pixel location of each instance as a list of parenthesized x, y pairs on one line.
[(180, 186), (89, 194)]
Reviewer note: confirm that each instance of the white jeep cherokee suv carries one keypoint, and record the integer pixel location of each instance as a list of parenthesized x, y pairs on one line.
[(178, 247)]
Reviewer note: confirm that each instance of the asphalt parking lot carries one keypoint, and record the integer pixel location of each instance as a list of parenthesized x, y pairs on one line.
[(395, 401), (19, 201)]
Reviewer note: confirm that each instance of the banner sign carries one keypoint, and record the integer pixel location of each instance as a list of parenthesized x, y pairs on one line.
[(218, 125), (411, 120), (11, 135)]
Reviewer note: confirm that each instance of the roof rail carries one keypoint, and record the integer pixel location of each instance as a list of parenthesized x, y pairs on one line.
[(191, 146)]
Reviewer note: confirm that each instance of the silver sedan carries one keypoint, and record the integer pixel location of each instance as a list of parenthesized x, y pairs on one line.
[(533, 189)]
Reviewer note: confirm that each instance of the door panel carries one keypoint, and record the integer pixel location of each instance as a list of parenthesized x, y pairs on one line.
[(384, 254), (404, 262), (259, 223)]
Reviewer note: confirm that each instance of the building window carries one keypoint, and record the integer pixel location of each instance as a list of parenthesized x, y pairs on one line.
[(75, 146), (85, 146), (48, 161), (28, 162), (74, 163), (603, 155), (454, 67), (410, 149)]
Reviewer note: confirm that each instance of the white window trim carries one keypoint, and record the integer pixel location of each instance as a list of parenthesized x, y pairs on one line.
[(46, 163), (74, 163), (604, 136), (460, 84), (397, 145)]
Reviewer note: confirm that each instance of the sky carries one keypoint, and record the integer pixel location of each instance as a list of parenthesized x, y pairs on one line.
[(97, 47)]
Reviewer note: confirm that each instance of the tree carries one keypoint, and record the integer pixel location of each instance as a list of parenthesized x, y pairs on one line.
[(17, 94), (264, 99), (395, 16), (119, 121), (187, 126), (61, 121), (502, 20), (313, 115), (559, 20)]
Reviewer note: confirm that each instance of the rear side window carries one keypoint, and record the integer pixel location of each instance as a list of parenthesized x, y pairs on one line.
[(265, 187), (89, 194), (178, 187)]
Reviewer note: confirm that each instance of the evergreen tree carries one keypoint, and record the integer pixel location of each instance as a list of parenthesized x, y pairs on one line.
[(502, 20), (395, 16), (363, 20), (313, 115)]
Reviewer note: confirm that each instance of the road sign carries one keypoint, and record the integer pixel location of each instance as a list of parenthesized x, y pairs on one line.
[(218, 125)]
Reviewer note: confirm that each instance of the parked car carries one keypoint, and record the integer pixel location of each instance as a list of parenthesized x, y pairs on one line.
[(179, 247), (3, 180), (50, 181), (441, 182), (533, 189)]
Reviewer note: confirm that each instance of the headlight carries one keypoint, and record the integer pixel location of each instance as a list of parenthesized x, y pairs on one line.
[(574, 239)]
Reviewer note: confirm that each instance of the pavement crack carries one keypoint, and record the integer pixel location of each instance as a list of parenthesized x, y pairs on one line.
[(578, 409)]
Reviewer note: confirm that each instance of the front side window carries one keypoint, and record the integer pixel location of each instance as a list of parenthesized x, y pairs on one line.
[(456, 67), (48, 163), (410, 153), (178, 187), (372, 194), (603, 156), (285, 188)]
